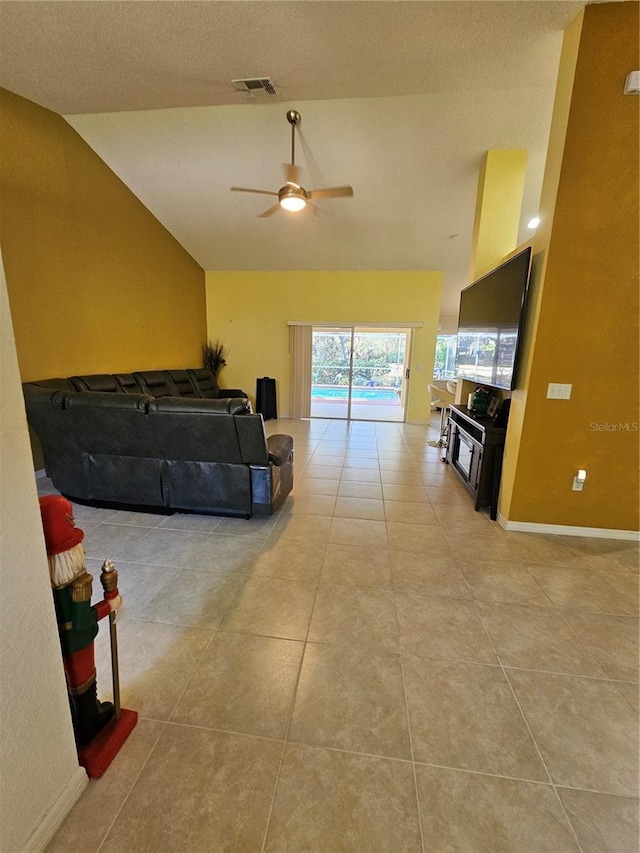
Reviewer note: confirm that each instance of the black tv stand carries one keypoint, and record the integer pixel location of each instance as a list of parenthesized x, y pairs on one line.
[(474, 450)]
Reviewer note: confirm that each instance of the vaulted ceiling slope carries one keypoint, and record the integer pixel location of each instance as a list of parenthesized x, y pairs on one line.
[(398, 99)]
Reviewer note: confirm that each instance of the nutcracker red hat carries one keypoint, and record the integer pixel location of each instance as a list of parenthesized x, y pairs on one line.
[(60, 533)]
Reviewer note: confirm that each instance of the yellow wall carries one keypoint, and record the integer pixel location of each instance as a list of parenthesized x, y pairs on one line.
[(498, 205), (96, 283), (587, 323), (540, 244), (249, 311)]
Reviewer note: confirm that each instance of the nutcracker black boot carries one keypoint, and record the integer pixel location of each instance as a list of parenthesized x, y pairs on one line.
[(88, 714)]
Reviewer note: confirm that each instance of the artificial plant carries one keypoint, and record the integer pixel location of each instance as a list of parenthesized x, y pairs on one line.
[(214, 356)]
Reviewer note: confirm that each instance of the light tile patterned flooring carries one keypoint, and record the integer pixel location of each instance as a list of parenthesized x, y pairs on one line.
[(377, 667)]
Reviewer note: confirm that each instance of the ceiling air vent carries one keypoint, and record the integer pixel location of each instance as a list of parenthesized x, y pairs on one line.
[(255, 86)]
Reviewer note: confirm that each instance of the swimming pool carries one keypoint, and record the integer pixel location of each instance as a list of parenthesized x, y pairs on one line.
[(337, 392)]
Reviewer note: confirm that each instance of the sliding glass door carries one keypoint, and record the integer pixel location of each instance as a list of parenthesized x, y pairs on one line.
[(332, 353), (359, 373)]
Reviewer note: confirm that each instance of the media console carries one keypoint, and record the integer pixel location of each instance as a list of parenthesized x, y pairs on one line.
[(474, 449)]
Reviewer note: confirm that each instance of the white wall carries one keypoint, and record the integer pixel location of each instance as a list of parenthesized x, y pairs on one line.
[(39, 773), (448, 324)]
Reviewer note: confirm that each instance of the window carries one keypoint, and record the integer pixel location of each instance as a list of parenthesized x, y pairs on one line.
[(444, 366)]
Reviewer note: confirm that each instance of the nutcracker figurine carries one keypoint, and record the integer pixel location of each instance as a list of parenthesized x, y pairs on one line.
[(78, 626)]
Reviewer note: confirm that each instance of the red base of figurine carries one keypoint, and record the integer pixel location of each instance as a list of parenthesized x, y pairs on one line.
[(96, 756)]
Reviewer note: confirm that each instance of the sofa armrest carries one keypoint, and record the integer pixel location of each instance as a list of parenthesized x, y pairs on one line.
[(230, 392), (235, 394), (200, 406), (280, 448), (51, 384)]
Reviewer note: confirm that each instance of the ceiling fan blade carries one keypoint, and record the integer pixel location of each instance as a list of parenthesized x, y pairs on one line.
[(247, 190), (291, 174), (331, 192), (270, 211)]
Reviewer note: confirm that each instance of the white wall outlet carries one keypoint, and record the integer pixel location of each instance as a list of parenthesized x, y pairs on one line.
[(579, 480), (558, 391)]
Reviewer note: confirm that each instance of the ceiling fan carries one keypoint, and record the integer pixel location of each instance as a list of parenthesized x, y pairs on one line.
[(292, 196)]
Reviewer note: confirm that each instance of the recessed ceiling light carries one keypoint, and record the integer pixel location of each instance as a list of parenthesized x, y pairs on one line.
[(533, 223)]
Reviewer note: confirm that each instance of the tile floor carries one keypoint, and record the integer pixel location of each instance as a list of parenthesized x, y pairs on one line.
[(377, 667)]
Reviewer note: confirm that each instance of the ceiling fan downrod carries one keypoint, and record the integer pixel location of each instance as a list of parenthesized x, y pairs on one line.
[(293, 117)]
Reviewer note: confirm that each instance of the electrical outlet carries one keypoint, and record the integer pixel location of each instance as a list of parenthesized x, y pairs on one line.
[(579, 480), (558, 391)]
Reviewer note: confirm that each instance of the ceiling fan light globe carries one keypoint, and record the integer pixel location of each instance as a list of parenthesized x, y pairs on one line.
[(293, 203), (292, 197)]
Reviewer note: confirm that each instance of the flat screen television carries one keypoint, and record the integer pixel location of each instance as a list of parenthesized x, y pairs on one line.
[(490, 324)]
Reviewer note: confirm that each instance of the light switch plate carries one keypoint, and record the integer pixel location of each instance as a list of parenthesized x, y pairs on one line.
[(558, 391)]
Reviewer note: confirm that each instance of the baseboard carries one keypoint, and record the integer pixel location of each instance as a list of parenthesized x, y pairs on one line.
[(568, 530), (44, 832)]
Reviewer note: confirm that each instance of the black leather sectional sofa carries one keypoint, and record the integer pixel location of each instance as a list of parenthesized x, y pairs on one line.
[(163, 439)]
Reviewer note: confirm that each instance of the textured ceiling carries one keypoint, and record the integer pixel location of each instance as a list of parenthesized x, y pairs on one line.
[(398, 99)]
